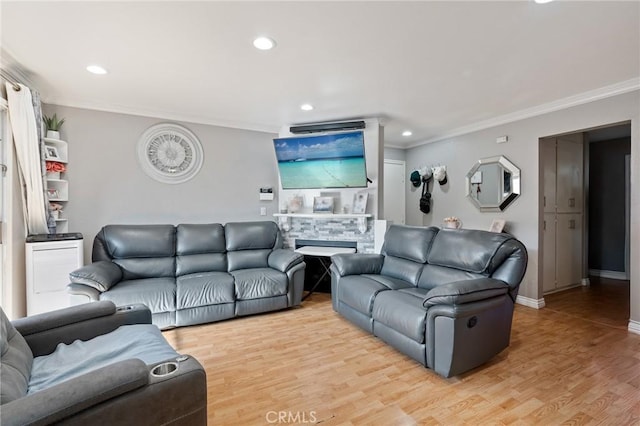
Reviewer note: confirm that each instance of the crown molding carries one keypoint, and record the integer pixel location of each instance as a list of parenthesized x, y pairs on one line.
[(560, 104), (164, 115), (14, 70)]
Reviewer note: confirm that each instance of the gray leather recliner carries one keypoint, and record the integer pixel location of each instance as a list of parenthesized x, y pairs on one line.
[(91, 378), (443, 297), (193, 273)]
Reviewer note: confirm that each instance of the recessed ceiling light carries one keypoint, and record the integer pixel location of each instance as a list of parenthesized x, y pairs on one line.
[(407, 133), (543, 1), (264, 43), (96, 69), (306, 107)]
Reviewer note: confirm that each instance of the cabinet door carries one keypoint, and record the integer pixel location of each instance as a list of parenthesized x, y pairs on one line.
[(568, 249), (549, 253), (569, 171), (548, 160)]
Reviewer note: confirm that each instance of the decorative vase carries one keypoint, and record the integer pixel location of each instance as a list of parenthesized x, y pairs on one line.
[(53, 134), (452, 223)]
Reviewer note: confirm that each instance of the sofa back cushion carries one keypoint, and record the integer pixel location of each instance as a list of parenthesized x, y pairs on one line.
[(469, 250), (457, 255), (406, 249), (249, 244), (409, 242), (200, 248), (141, 251), (16, 360)]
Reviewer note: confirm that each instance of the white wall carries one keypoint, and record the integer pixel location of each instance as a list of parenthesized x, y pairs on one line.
[(395, 154), (460, 153), (107, 185)]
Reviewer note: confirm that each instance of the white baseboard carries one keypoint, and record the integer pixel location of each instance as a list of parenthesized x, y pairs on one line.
[(531, 303), (614, 275), (634, 326)]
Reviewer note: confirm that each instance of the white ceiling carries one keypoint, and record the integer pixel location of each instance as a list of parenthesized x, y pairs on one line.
[(432, 67)]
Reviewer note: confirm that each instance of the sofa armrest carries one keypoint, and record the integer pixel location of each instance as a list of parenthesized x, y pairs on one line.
[(465, 291), (75, 395), (356, 263), (101, 275), (84, 290), (43, 332), (283, 259)]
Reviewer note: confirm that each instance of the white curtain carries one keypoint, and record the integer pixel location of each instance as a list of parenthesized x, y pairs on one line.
[(26, 140)]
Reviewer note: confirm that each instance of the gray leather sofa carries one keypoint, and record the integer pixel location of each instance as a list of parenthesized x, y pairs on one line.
[(443, 297), (96, 376), (193, 273)]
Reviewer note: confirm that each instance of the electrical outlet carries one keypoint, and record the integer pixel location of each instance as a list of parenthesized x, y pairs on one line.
[(263, 211)]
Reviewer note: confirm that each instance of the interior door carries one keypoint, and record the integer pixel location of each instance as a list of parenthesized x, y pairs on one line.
[(394, 191)]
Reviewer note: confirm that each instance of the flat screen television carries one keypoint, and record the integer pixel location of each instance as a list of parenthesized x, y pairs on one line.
[(323, 161)]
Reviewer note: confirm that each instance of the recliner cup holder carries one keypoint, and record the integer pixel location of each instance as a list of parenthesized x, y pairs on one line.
[(164, 369)]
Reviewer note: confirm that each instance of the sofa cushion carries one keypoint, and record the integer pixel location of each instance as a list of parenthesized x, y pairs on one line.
[(415, 291), (252, 235), (406, 270), (129, 241), (16, 361), (158, 294), (202, 289), (200, 248), (81, 357), (259, 282), (205, 262), (389, 282), (465, 249), (153, 267), (396, 242), (401, 312), (434, 275), (141, 251), (248, 259), (358, 292), (200, 238)]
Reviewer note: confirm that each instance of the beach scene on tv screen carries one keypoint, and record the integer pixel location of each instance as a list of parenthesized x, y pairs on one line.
[(326, 161)]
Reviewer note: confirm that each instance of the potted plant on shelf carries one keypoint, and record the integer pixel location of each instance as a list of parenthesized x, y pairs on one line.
[(53, 126)]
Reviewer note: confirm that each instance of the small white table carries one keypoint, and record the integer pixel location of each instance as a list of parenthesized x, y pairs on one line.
[(323, 254)]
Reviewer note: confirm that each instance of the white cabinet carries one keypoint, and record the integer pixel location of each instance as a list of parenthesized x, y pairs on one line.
[(48, 266), (57, 156), (563, 234)]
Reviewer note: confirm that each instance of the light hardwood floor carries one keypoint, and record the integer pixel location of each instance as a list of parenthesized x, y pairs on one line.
[(311, 366)]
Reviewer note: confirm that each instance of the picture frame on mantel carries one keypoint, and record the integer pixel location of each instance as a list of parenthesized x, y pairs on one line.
[(360, 203), (323, 204)]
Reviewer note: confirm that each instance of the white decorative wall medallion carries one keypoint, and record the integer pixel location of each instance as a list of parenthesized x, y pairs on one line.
[(170, 153)]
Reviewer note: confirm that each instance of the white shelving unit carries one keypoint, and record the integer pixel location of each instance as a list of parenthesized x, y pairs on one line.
[(57, 183)]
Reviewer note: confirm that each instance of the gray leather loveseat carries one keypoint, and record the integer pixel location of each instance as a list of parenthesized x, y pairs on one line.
[(94, 364), (443, 297), (193, 273)]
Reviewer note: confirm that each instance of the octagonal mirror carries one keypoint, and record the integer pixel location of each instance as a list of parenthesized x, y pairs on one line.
[(493, 183)]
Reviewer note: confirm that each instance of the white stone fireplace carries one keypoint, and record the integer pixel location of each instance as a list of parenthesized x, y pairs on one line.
[(329, 227)]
